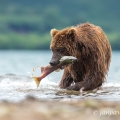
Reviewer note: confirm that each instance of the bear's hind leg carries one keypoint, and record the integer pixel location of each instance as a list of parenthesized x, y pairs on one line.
[(86, 85)]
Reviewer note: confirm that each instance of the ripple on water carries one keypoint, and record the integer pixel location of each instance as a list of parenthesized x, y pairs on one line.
[(15, 88)]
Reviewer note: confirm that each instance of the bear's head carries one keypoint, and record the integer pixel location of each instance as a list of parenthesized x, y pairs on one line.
[(62, 44)]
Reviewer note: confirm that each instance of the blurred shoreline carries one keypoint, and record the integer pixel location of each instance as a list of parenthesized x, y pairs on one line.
[(34, 109)]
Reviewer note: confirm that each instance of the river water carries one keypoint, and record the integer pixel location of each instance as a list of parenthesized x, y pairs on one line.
[(16, 82)]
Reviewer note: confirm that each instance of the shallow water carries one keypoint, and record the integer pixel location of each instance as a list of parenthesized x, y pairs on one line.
[(16, 82)]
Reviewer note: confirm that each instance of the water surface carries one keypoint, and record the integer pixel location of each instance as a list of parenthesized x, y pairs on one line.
[(16, 83)]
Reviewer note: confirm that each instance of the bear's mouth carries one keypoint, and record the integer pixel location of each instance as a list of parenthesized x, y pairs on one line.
[(63, 62), (60, 68)]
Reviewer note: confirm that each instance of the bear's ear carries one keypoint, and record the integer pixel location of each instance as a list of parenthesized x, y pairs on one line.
[(53, 32), (71, 33)]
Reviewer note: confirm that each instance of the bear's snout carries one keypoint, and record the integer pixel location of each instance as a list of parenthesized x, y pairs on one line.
[(53, 63)]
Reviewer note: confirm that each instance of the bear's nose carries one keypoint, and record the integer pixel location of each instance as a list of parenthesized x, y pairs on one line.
[(52, 63)]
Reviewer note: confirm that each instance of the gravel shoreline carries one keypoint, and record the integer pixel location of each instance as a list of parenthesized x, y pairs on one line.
[(34, 109)]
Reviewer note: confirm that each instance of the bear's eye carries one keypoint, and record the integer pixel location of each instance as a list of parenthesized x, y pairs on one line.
[(60, 50)]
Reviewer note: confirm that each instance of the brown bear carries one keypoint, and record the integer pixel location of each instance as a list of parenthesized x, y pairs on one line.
[(89, 44)]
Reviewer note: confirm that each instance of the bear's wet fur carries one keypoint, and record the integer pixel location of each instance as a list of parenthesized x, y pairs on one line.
[(89, 44)]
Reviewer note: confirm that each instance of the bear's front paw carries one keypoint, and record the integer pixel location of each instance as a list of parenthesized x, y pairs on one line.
[(74, 87)]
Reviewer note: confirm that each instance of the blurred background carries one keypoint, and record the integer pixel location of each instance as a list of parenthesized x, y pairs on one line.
[(26, 24)]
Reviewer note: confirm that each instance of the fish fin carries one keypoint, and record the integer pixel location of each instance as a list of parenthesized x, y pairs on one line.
[(37, 81)]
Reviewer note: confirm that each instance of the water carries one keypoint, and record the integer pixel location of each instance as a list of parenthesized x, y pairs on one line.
[(16, 83)]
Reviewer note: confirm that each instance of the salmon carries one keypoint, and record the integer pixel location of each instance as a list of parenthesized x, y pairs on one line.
[(64, 61)]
